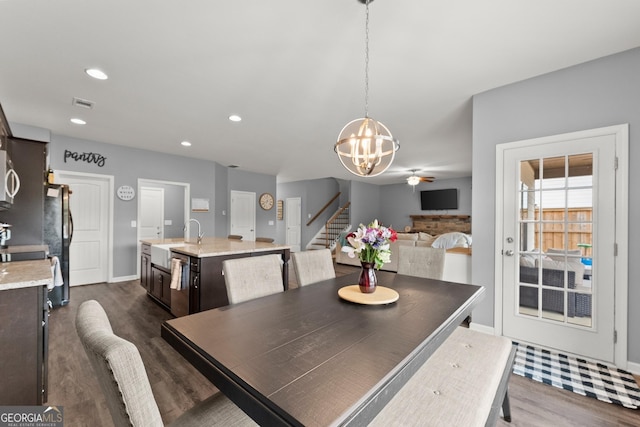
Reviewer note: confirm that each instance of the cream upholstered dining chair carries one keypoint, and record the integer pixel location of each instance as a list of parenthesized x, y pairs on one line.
[(123, 379), (252, 277), (421, 261), (313, 266)]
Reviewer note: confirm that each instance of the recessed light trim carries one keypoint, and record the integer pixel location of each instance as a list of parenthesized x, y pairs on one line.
[(185, 144), (235, 118), (78, 121), (96, 73)]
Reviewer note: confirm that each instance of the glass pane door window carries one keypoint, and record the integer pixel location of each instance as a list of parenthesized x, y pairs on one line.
[(556, 239)]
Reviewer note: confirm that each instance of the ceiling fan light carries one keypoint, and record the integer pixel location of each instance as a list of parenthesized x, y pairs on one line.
[(413, 180)]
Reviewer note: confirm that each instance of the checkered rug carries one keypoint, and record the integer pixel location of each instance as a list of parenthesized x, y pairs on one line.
[(608, 384)]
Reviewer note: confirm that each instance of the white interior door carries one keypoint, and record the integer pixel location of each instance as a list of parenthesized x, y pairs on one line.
[(89, 249), (558, 243), (293, 215), (243, 214), (151, 215)]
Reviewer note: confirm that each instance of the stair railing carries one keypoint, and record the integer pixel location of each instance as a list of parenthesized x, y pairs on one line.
[(324, 208), (333, 228)]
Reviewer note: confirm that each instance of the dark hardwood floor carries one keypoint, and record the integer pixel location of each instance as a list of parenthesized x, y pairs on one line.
[(177, 386)]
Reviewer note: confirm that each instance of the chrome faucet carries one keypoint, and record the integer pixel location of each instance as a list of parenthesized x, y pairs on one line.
[(200, 234)]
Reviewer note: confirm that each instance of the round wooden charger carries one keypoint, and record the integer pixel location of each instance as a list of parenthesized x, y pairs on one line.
[(382, 295)]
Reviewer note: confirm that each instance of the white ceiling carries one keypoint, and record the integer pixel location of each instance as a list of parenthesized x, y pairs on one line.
[(293, 69)]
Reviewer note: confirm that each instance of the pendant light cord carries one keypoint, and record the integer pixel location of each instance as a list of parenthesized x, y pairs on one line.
[(366, 61)]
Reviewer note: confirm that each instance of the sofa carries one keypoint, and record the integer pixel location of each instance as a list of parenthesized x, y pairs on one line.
[(457, 263), (553, 262), (578, 305)]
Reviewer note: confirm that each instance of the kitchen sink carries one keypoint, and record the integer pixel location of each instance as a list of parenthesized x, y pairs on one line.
[(161, 254)]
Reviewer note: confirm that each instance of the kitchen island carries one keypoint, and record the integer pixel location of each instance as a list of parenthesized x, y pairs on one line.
[(203, 287), (24, 332)]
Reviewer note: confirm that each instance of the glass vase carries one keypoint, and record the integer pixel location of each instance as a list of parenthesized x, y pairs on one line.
[(367, 280)]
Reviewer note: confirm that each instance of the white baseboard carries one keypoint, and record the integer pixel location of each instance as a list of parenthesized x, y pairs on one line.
[(123, 279), (633, 367), (482, 328)]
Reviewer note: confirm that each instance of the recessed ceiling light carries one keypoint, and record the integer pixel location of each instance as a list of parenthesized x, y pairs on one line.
[(185, 144), (77, 121), (235, 118), (96, 74)]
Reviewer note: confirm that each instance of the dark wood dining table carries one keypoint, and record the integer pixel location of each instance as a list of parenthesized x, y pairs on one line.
[(307, 357)]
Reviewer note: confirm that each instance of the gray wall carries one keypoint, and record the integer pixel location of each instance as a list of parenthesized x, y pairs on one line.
[(365, 203), (208, 180), (30, 132), (221, 211), (391, 204), (399, 201), (314, 194), (126, 165), (599, 93)]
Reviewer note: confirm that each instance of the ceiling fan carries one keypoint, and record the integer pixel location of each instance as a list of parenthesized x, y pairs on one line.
[(414, 179)]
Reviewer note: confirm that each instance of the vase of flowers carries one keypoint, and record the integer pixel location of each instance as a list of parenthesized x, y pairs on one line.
[(370, 244)]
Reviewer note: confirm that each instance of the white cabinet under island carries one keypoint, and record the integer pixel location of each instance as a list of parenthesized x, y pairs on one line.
[(203, 287)]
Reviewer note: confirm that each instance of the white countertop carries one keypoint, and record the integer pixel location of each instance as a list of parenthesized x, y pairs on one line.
[(216, 246), (25, 274)]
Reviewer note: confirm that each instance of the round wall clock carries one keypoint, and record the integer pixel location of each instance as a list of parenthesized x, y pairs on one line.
[(126, 192), (266, 201)]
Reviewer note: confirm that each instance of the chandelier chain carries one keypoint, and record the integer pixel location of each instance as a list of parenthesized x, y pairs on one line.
[(366, 61), (365, 146)]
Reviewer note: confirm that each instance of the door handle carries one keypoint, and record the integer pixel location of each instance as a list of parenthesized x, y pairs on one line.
[(509, 252), (11, 188)]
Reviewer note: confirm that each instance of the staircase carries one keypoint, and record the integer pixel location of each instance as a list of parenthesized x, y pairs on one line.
[(329, 234)]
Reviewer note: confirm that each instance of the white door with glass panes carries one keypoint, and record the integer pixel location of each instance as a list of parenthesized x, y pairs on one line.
[(557, 242)]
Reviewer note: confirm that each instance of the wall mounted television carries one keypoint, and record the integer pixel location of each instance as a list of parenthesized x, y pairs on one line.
[(438, 200)]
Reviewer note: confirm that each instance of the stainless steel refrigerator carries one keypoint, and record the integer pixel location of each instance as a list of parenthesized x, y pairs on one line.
[(58, 231)]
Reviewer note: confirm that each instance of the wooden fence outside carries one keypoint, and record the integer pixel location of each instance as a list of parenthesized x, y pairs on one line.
[(579, 223)]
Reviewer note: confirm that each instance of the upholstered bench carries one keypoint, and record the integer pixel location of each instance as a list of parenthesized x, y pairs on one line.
[(464, 383)]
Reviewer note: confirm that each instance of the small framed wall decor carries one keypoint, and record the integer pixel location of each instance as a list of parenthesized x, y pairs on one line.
[(199, 205), (126, 192), (279, 211)]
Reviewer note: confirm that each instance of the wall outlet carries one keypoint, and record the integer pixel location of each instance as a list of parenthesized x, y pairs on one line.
[(271, 222), (168, 222), (134, 224)]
